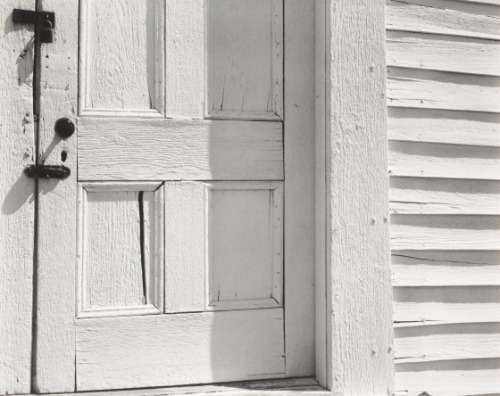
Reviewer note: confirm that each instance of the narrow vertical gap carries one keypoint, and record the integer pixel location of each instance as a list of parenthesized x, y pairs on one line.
[(141, 240), (36, 118), (283, 217)]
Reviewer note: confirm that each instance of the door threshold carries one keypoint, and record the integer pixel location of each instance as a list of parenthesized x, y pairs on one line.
[(279, 387)]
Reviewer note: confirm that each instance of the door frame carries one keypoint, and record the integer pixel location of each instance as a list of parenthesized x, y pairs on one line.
[(353, 352), (354, 330)]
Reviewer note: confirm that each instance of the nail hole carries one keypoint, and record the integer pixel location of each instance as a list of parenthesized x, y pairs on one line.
[(64, 155)]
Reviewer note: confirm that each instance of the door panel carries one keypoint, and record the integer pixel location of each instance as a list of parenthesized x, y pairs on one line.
[(160, 149), (223, 245), (120, 266), (179, 197), (179, 349), (245, 59), (121, 57), (126, 133)]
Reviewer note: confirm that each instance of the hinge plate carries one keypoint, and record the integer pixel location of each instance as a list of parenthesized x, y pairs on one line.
[(33, 17)]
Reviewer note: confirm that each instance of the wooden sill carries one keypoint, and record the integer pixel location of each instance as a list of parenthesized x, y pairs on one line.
[(280, 387)]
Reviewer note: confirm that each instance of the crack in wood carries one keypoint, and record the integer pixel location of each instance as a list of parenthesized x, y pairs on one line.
[(141, 241), (439, 260)]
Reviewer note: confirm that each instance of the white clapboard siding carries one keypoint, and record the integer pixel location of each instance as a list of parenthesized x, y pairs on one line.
[(440, 90), (414, 195), (448, 342), (441, 126), (407, 314), (444, 161), (433, 268), (443, 101), (448, 382), (493, 2), (430, 275), (427, 232), (443, 53), (428, 19)]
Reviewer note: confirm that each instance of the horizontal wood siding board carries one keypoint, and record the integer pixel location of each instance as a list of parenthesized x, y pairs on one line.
[(492, 2), (447, 342), (409, 314), (159, 149), (427, 232), (410, 17), (441, 268), (414, 195), (444, 131), (425, 306), (443, 53), (474, 380), (430, 160), (440, 90), (444, 126), (429, 275)]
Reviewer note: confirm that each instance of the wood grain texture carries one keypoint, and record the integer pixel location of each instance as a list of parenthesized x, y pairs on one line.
[(492, 2), (447, 342), (114, 149), (449, 381), (444, 196), (186, 348), (121, 260), (440, 90), (428, 160), (426, 232), (434, 268), (55, 355), (429, 18), (122, 55), (322, 360), (185, 247), (434, 52), (357, 212), (408, 314), (274, 387), (185, 26), (245, 244), (299, 187), (438, 126), (17, 150), (223, 245), (245, 59), (425, 306), (443, 80)]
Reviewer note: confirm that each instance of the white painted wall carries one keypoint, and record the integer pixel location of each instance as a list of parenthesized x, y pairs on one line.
[(16, 200), (444, 134)]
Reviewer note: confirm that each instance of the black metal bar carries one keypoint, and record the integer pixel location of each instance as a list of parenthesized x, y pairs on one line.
[(33, 17), (47, 171)]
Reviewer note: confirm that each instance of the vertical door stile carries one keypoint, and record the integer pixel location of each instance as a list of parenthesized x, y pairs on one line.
[(55, 330)]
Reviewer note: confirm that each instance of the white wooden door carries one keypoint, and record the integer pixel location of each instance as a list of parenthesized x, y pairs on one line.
[(162, 258)]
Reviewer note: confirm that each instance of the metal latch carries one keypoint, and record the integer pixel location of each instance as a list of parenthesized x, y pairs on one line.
[(48, 171), (45, 21)]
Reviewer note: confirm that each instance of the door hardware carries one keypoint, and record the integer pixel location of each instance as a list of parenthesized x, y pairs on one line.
[(64, 127), (47, 171), (44, 22), (46, 32)]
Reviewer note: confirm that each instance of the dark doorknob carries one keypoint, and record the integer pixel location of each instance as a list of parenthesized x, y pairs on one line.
[(64, 127)]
